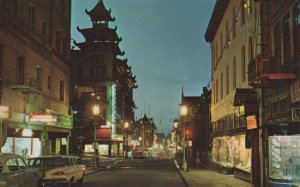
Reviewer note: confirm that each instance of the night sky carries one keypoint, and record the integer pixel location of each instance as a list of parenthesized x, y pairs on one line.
[(164, 43)]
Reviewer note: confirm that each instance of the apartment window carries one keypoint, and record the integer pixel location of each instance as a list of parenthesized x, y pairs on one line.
[(249, 5), (227, 80), (250, 50), (39, 77), (217, 92), (20, 70), (58, 41), (217, 53), (233, 24), (297, 31), (31, 18), (287, 39), (277, 44), (65, 46), (221, 44), (221, 86), (62, 90), (1, 57), (63, 4), (226, 35), (234, 73), (49, 82), (44, 28), (243, 73), (243, 5)]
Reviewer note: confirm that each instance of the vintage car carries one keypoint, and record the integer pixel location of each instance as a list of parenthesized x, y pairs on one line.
[(14, 172), (58, 169)]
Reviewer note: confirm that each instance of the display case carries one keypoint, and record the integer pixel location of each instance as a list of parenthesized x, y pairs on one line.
[(230, 152), (284, 159)]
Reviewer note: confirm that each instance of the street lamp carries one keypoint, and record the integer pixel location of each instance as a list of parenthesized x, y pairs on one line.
[(126, 126), (96, 112), (183, 113), (175, 125)]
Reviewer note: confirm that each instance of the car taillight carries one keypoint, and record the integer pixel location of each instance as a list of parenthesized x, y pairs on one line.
[(59, 173)]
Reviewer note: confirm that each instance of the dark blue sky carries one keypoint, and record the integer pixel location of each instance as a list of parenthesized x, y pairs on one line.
[(164, 43)]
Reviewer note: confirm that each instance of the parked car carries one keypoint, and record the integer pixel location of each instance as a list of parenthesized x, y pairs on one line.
[(138, 154), (58, 169), (14, 172)]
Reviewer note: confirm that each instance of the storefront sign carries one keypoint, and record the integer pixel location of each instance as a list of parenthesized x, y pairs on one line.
[(84, 89), (4, 112), (47, 118), (296, 114), (251, 122), (103, 134)]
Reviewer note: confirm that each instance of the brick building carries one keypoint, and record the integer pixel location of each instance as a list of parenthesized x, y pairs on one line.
[(34, 76)]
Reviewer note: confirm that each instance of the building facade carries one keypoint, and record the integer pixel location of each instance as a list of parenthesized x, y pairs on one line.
[(230, 34), (101, 87), (34, 76)]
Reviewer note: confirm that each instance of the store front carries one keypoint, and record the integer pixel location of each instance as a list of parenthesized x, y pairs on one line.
[(230, 152)]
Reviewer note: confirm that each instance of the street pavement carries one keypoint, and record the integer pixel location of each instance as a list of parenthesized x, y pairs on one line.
[(194, 177), (202, 176)]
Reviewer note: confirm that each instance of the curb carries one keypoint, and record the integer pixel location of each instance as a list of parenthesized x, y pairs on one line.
[(178, 169)]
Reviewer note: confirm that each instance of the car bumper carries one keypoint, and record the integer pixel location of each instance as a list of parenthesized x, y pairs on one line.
[(51, 182)]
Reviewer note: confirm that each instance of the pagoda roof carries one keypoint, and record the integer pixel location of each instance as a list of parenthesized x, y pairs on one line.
[(94, 46), (100, 13), (100, 33)]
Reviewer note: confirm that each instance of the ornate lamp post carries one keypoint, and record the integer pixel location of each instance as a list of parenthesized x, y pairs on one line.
[(183, 113), (175, 125)]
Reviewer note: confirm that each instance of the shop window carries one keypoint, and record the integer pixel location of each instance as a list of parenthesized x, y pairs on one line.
[(234, 73), (62, 90), (297, 31), (20, 74), (32, 17), (287, 39)]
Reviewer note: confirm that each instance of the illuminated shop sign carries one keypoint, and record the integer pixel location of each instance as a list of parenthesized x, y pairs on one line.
[(4, 112), (80, 89), (251, 122), (47, 118)]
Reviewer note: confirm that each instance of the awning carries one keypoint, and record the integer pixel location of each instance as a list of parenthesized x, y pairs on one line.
[(244, 96)]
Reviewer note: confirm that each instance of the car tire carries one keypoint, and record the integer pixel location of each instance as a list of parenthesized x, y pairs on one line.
[(80, 181)]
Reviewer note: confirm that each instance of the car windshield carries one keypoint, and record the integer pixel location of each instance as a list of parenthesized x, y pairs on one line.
[(44, 162)]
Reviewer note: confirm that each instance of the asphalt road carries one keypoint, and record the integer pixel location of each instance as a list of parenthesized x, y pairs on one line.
[(137, 173)]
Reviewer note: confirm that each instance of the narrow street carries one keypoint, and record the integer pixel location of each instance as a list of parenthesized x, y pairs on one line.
[(137, 172)]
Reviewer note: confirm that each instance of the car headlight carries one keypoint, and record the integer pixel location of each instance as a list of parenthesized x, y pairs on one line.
[(58, 173)]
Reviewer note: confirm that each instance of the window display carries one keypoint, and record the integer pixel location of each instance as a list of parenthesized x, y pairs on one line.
[(230, 151), (284, 157)]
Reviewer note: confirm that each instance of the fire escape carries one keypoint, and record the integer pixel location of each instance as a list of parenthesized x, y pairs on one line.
[(266, 70)]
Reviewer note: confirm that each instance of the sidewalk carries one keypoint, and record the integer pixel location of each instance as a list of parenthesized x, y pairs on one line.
[(209, 178)]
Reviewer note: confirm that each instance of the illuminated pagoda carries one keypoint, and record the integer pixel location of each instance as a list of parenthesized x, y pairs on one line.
[(102, 88)]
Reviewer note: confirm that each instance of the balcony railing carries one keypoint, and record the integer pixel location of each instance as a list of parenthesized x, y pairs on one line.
[(27, 84), (266, 69)]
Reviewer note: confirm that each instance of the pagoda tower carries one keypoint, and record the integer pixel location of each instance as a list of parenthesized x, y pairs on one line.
[(100, 79)]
